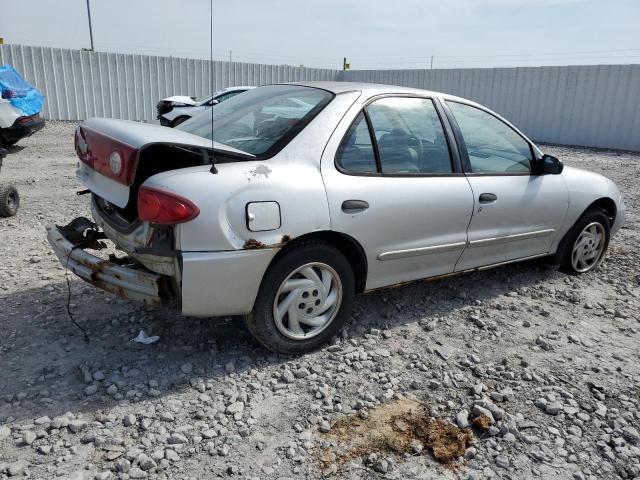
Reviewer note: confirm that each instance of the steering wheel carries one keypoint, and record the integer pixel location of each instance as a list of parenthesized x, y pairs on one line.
[(413, 142)]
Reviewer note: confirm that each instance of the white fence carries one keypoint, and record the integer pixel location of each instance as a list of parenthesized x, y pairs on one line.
[(595, 106), (80, 84)]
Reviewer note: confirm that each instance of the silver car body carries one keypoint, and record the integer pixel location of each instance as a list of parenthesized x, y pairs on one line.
[(191, 107), (415, 226)]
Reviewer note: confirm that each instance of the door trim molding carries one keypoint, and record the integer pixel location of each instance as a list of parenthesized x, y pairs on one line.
[(489, 242), (415, 252), (451, 247)]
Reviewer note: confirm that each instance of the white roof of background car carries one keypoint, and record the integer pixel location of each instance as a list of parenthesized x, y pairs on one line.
[(237, 87)]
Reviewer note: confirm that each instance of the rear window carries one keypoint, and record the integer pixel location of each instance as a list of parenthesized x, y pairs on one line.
[(261, 121)]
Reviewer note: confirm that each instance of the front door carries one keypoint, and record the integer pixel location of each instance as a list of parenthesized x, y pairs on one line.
[(392, 185), (517, 212)]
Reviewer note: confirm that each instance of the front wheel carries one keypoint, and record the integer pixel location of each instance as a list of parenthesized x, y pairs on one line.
[(587, 243), (304, 299)]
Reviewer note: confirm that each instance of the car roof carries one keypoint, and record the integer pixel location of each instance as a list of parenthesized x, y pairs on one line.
[(370, 89)]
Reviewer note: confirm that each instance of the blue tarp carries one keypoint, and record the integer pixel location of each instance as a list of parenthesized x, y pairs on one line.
[(22, 96)]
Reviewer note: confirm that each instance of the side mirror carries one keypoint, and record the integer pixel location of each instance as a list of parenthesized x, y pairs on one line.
[(213, 102), (551, 165)]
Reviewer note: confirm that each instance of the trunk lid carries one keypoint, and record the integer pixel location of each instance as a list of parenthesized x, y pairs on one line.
[(110, 152)]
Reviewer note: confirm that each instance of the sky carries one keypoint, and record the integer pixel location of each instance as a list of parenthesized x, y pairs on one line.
[(370, 33)]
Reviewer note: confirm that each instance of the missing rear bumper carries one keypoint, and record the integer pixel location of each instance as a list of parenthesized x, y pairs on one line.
[(126, 277)]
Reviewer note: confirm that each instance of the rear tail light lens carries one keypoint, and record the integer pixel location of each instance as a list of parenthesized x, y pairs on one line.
[(164, 208)]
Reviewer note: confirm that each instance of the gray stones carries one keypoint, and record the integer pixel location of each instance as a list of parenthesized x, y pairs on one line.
[(209, 402), (129, 420), (235, 407), (171, 455), (28, 437), (502, 461), (462, 419), (122, 465), (177, 439), (145, 462), (76, 426), (136, 473), (324, 426), (479, 411), (416, 447), (553, 408), (91, 390), (288, 376), (631, 434), (380, 466)]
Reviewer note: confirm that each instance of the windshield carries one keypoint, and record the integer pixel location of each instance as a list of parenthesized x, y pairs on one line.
[(261, 121)]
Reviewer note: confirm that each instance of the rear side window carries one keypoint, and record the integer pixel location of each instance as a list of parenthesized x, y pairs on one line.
[(492, 145), (356, 153), (410, 136)]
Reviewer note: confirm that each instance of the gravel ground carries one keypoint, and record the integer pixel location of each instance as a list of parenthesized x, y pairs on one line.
[(547, 364)]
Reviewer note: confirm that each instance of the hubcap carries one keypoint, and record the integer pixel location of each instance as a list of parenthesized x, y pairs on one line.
[(307, 301), (588, 248)]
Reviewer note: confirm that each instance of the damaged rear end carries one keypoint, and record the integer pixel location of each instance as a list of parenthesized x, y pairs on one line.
[(136, 223)]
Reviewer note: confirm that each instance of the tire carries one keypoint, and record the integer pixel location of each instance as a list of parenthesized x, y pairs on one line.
[(179, 120), (7, 143), (596, 223), (9, 201), (276, 332)]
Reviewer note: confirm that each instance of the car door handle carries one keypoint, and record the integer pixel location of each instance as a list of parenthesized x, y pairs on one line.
[(354, 206), (488, 197)]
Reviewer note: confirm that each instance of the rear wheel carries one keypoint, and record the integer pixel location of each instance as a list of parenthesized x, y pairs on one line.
[(586, 243), (304, 299), (9, 201)]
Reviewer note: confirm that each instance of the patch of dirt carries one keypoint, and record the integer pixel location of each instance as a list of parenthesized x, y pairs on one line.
[(394, 428), (482, 422)]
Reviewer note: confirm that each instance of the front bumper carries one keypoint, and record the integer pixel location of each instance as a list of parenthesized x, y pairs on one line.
[(132, 281), (21, 128)]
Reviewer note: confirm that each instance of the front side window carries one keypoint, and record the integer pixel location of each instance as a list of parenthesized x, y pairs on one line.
[(410, 136), (355, 153), (492, 145), (262, 120)]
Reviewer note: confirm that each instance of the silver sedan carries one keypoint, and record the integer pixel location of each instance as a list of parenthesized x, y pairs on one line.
[(291, 199)]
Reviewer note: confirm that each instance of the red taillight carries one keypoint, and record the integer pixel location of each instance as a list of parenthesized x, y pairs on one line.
[(164, 208)]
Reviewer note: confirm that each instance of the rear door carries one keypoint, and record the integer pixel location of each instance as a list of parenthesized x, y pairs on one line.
[(394, 183), (517, 211)]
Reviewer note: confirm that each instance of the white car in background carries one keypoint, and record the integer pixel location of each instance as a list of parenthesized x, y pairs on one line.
[(304, 195), (172, 111)]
